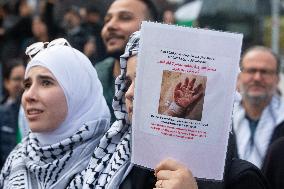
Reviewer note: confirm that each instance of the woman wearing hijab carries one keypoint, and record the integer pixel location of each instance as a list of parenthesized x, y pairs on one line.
[(67, 115)]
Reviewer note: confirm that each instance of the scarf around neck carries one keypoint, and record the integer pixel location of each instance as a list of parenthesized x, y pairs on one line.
[(111, 159)]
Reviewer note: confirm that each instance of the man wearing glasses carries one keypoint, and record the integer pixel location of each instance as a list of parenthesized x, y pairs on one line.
[(259, 116)]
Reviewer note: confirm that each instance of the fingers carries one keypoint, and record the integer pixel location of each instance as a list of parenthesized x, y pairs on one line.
[(191, 84), (159, 184), (168, 164), (198, 89), (178, 86), (185, 85), (164, 174), (172, 174), (177, 91), (162, 184)]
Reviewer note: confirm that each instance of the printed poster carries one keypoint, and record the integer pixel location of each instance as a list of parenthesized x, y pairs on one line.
[(184, 93)]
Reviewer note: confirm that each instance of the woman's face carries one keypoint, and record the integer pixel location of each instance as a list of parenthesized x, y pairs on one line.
[(43, 100), (14, 85), (39, 28), (130, 82)]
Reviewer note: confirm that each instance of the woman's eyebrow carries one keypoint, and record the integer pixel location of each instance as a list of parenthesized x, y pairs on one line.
[(45, 77), (26, 80)]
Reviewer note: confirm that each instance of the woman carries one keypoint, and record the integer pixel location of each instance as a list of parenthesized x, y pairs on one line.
[(13, 75), (67, 115)]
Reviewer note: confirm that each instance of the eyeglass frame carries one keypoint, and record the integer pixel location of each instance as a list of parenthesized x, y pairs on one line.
[(263, 72), (35, 48)]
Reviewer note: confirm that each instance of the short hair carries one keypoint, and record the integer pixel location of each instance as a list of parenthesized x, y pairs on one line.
[(264, 49), (152, 10)]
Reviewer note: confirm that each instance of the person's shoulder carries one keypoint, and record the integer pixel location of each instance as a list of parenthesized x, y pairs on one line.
[(275, 152), (104, 64), (243, 174), (278, 144), (5, 112), (273, 165)]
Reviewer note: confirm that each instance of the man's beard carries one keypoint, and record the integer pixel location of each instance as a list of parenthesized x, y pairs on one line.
[(256, 100), (116, 54)]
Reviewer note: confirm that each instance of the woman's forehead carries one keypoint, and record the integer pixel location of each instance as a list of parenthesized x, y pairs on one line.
[(39, 70)]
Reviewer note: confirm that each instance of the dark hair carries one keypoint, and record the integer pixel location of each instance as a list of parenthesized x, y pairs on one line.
[(152, 9), (9, 65), (75, 10), (7, 68), (264, 49)]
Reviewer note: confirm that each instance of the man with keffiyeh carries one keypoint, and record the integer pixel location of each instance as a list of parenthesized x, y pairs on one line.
[(259, 116)]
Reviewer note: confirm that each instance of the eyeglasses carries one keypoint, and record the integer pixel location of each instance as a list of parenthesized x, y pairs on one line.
[(263, 72), (35, 48), (17, 79)]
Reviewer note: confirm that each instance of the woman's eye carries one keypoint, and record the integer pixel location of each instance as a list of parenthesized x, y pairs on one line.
[(27, 85), (46, 83), (107, 19), (127, 84)]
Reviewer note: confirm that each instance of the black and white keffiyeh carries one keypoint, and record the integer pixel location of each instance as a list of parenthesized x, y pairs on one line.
[(111, 159), (31, 165)]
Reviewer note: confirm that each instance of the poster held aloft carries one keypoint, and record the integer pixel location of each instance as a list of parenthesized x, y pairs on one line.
[(184, 93)]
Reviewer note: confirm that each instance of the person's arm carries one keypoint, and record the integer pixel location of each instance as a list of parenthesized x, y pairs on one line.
[(185, 95), (174, 175)]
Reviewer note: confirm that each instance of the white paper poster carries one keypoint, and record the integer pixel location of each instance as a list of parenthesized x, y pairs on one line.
[(184, 93)]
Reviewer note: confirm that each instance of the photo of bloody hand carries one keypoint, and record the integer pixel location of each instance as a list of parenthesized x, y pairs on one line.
[(185, 94)]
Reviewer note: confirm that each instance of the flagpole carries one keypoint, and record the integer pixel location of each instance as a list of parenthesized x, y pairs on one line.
[(275, 5)]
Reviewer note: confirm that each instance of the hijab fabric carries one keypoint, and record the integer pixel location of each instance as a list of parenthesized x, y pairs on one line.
[(54, 159)]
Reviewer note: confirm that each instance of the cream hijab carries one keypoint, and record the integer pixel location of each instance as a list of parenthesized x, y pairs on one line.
[(82, 88)]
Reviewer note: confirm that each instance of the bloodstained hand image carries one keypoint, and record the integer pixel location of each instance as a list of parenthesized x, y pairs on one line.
[(186, 94), (182, 95)]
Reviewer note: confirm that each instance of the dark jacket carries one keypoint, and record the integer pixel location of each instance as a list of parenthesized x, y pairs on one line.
[(8, 129), (273, 166), (105, 74)]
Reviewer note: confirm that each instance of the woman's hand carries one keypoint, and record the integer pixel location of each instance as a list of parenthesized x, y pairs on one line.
[(173, 175)]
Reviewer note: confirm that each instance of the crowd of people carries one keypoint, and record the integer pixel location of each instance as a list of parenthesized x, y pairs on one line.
[(76, 133)]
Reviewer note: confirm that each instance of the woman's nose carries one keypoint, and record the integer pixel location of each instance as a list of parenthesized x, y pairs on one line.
[(130, 92), (30, 94)]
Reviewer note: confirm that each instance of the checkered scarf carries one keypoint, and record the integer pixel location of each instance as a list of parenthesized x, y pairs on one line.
[(31, 165), (111, 160)]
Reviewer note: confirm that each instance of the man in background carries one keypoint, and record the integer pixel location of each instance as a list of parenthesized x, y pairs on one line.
[(259, 116), (122, 19)]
